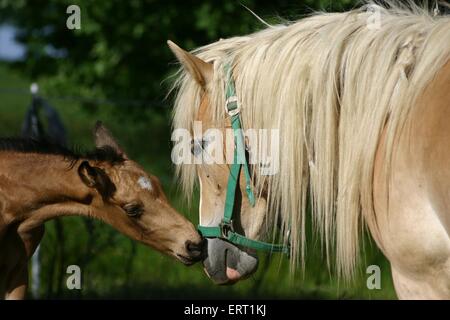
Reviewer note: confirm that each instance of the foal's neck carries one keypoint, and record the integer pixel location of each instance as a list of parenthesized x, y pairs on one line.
[(40, 186)]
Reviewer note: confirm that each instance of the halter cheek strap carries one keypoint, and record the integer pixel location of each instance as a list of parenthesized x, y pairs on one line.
[(225, 229)]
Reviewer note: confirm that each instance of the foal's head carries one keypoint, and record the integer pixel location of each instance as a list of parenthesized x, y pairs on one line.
[(134, 202)]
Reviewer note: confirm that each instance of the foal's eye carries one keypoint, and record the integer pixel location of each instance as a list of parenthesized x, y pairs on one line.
[(133, 209)]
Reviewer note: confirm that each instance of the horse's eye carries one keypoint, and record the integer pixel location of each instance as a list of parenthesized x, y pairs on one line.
[(197, 146), (133, 209)]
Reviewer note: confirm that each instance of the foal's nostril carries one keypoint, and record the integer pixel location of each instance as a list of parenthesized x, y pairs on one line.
[(195, 250), (193, 247)]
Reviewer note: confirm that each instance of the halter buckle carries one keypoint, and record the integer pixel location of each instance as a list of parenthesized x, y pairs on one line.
[(225, 228), (232, 111)]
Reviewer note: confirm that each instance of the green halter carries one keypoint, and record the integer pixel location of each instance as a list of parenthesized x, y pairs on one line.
[(225, 229)]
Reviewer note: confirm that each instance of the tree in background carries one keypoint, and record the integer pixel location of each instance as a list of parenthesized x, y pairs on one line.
[(120, 51)]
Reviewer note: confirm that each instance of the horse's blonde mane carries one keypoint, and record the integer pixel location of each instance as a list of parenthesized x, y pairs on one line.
[(329, 82)]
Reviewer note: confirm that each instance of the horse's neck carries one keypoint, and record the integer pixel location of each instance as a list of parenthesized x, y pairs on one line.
[(39, 187)]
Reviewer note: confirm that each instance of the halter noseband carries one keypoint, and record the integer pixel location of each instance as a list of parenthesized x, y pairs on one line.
[(225, 229)]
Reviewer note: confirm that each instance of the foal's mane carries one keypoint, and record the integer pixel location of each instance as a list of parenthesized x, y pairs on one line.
[(29, 145), (329, 83)]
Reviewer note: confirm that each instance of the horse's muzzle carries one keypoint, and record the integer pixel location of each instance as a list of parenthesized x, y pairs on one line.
[(226, 264)]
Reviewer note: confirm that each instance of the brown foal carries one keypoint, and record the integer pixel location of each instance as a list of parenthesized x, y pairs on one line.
[(40, 182)]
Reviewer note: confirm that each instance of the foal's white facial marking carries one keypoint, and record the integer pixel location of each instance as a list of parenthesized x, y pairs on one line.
[(145, 183)]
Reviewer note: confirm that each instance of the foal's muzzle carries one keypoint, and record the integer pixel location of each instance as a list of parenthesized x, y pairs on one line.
[(195, 252)]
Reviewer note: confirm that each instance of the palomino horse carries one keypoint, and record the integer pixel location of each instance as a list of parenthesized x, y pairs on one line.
[(361, 102), (39, 182)]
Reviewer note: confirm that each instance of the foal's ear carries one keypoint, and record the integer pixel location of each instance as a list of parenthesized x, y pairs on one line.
[(200, 70), (104, 138), (96, 178)]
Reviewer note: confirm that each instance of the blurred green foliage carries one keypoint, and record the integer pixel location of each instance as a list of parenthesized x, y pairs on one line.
[(120, 50), (120, 54)]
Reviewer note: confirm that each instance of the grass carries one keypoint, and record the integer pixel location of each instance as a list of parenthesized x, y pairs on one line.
[(114, 267)]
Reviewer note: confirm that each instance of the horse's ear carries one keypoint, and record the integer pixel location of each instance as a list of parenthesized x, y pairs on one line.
[(104, 138), (200, 70)]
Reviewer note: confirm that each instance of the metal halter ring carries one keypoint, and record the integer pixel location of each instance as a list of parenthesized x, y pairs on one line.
[(230, 100), (225, 228)]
